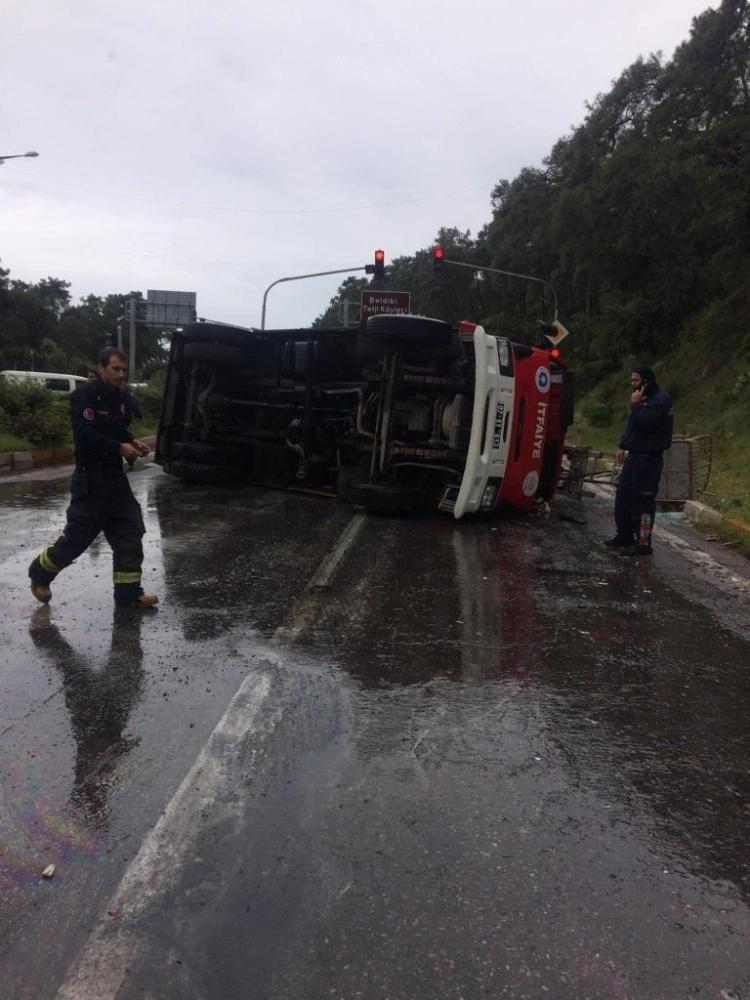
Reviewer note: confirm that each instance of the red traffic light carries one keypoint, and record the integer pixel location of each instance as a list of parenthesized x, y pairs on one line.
[(438, 256), (379, 265)]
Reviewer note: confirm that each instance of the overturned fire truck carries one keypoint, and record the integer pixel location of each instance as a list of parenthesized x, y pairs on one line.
[(405, 415)]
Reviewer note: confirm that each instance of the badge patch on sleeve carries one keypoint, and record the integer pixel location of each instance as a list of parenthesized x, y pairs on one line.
[(88, 413)]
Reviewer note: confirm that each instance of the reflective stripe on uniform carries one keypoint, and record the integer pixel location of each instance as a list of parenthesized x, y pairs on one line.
[(132, 577), (46, 563)]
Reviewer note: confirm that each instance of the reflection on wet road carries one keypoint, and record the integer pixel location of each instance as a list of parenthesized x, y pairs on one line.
[(98, 698), (481, 760)]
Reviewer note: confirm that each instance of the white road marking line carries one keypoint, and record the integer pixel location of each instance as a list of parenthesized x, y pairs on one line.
[(306, 611), (117, 942)]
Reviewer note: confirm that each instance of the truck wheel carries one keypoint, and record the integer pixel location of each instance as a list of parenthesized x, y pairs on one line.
[(381, 498), (410, 329), (206, 454), (195, 472), (405, 329)]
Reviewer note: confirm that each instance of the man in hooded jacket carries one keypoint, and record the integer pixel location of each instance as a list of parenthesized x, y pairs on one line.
[(647, 435)]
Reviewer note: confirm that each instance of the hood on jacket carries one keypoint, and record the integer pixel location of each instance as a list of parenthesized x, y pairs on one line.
[(647, 377)]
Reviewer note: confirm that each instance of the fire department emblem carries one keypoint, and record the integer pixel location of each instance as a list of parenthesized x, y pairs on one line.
[(542, 379), (530, 483)]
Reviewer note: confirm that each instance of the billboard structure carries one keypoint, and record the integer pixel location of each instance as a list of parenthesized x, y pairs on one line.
[(169, 309)]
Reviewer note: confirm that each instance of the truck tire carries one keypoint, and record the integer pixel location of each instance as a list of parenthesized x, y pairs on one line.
[(410, 329), (381, 498), (195, 472), (380, 330)]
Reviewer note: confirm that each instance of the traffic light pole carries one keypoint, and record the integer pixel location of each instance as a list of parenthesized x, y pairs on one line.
[(508, 274), (131, 352), (299, 277)]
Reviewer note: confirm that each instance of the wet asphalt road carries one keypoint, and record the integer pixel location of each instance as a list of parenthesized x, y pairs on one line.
[(351, 757)]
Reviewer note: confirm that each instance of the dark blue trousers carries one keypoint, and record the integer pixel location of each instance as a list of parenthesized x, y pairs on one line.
[(100, 501), (635, 500)]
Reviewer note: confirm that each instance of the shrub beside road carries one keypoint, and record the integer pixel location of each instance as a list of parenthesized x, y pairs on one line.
[(35, 424)]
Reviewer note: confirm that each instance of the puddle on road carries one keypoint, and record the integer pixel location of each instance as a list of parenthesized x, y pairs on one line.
[(641, 694), (547, 763)]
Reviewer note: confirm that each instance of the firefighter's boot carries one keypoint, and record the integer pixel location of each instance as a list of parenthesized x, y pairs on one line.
[(132, 596), (40, 582), (41, 592), (145, 601)]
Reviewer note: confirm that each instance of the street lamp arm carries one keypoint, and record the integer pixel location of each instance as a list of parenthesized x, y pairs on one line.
[(17, 156), (509, 274), (299, 277)]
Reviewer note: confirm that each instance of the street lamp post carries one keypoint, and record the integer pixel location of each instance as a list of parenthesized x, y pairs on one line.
[(299, 277), (17, 156)]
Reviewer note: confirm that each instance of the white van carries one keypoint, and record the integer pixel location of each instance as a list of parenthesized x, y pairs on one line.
[(52, 380)]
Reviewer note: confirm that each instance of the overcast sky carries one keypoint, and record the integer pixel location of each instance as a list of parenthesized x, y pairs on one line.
[(215, 146)]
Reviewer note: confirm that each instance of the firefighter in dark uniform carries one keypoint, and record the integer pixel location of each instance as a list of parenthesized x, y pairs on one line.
[(100, 495), (647, 435)]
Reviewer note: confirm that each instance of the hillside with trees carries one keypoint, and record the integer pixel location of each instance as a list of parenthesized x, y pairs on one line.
[(639, 219)]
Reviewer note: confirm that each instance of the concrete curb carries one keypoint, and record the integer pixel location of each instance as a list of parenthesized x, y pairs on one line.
[(701, 515), (22, 461), (43, 458)]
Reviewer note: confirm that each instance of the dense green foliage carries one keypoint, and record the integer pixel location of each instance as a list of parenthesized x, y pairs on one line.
[(33, 416), (32, 413), (41, 331)]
